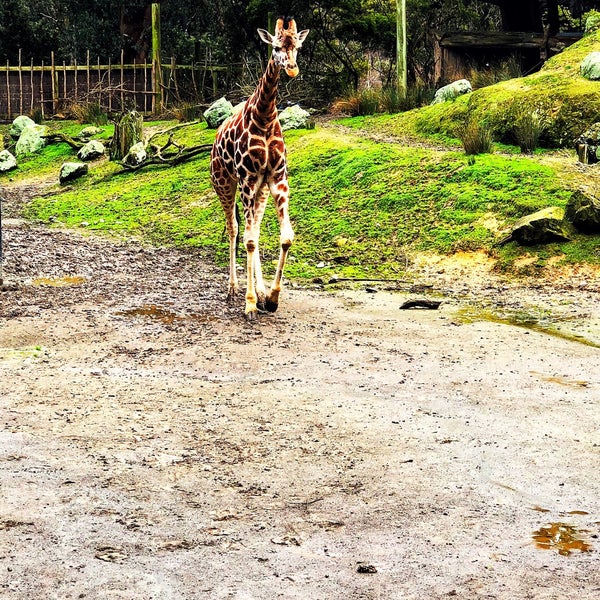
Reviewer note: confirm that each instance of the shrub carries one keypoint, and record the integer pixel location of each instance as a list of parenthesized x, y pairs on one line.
[(529, 123), (358, 103), (89, 112), (476, 137), (187, 111)]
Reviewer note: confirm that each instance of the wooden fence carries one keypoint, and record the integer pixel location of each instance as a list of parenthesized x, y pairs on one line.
[(52, 88)]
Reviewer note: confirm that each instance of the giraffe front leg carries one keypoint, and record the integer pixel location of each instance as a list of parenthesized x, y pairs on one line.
[(251, 309), (286, 238)]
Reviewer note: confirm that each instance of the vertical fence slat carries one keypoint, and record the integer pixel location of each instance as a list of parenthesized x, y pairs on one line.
[(42, 91), (87, 69), (31, 85), (8, 102), (122, 79), (64, 82), (20, 84), (109, 88), (75, 80), (99, 84), (53, 83), (146, 86)]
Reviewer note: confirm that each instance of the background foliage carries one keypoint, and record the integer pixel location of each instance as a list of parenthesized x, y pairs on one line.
[(352, 42)]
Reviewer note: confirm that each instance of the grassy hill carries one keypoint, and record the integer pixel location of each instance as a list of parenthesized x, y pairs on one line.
[(367, 196)]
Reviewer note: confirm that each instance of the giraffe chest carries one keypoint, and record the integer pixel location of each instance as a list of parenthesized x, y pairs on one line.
[(250, 151)]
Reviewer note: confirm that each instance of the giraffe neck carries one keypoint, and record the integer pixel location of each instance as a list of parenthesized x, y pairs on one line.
[(263, 101)]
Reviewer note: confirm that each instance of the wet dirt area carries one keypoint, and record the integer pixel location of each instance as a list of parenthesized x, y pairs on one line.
[(153, 445)]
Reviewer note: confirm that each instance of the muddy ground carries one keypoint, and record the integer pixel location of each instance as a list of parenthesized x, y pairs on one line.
[(154, 445)]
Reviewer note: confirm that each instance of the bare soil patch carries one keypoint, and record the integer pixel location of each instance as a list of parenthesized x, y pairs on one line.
[(154, 445)]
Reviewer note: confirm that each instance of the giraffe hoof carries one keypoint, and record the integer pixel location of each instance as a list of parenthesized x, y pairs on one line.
[(252, 316), (271, 306)]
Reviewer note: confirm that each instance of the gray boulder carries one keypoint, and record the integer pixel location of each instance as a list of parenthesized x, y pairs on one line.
[(20, 123), (294, 117), (93, 149), (136, 155), (452, 91), (546, 225), (90, 131), (31, 140), (217, 112), (72, 170), (584, 212), (587, 145), (590, 66), (7, 161)]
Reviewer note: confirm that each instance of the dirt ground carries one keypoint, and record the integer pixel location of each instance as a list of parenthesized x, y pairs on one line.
[(153, 445)]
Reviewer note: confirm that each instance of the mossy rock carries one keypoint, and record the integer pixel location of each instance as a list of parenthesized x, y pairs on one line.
[(542, 227), (583, 211)]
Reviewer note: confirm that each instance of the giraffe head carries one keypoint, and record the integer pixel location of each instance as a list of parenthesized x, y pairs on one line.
[(286, 43)]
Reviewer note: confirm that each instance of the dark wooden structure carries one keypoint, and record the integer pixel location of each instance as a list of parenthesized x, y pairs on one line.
[(530, 34)]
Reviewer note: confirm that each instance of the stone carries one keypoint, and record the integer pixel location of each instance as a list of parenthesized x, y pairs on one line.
[(452, 91), (90, 131), (218, 112), (93, 149), (583, 211), (587, 145), (7, 161), (31, 140), (294, 117), (592, 22), (136, 156), (72, 170), (544, 226), (590, 66), (20, 123)]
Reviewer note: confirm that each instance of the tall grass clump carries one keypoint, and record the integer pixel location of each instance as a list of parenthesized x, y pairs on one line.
[(89, 112), (476, 137), (529, 124), (187, 111), (358, 103)]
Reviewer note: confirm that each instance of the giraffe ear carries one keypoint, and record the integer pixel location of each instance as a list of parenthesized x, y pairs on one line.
[(302, 36), (266, 37)]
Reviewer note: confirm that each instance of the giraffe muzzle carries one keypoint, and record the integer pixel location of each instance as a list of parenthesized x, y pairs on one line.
[(292, 71)]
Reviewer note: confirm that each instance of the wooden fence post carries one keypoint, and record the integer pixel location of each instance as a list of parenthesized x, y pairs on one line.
[(20, 84), (8, 103), (54, 84), (157, 87)]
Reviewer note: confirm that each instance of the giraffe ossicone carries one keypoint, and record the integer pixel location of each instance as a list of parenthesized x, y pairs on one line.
[(249, 154)]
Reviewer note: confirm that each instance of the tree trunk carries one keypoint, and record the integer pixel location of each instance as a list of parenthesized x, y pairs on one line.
[(128, 131)]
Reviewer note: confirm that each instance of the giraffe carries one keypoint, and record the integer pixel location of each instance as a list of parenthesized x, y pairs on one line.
[(249, 153)]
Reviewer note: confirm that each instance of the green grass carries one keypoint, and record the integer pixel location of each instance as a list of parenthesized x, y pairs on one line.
[(359, 207)]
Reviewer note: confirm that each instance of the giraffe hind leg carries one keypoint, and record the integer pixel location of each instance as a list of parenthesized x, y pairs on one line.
[(226, 195)]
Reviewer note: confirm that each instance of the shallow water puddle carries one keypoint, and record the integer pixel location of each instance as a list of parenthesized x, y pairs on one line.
[(562, 537), (164, 315), (539, 323), (66, 281), (152, 311)]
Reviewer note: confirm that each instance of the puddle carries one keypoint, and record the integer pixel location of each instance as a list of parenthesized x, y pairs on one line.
[(561, 537), (152, 311), (65, 281), (540, 323), (163, 315)]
